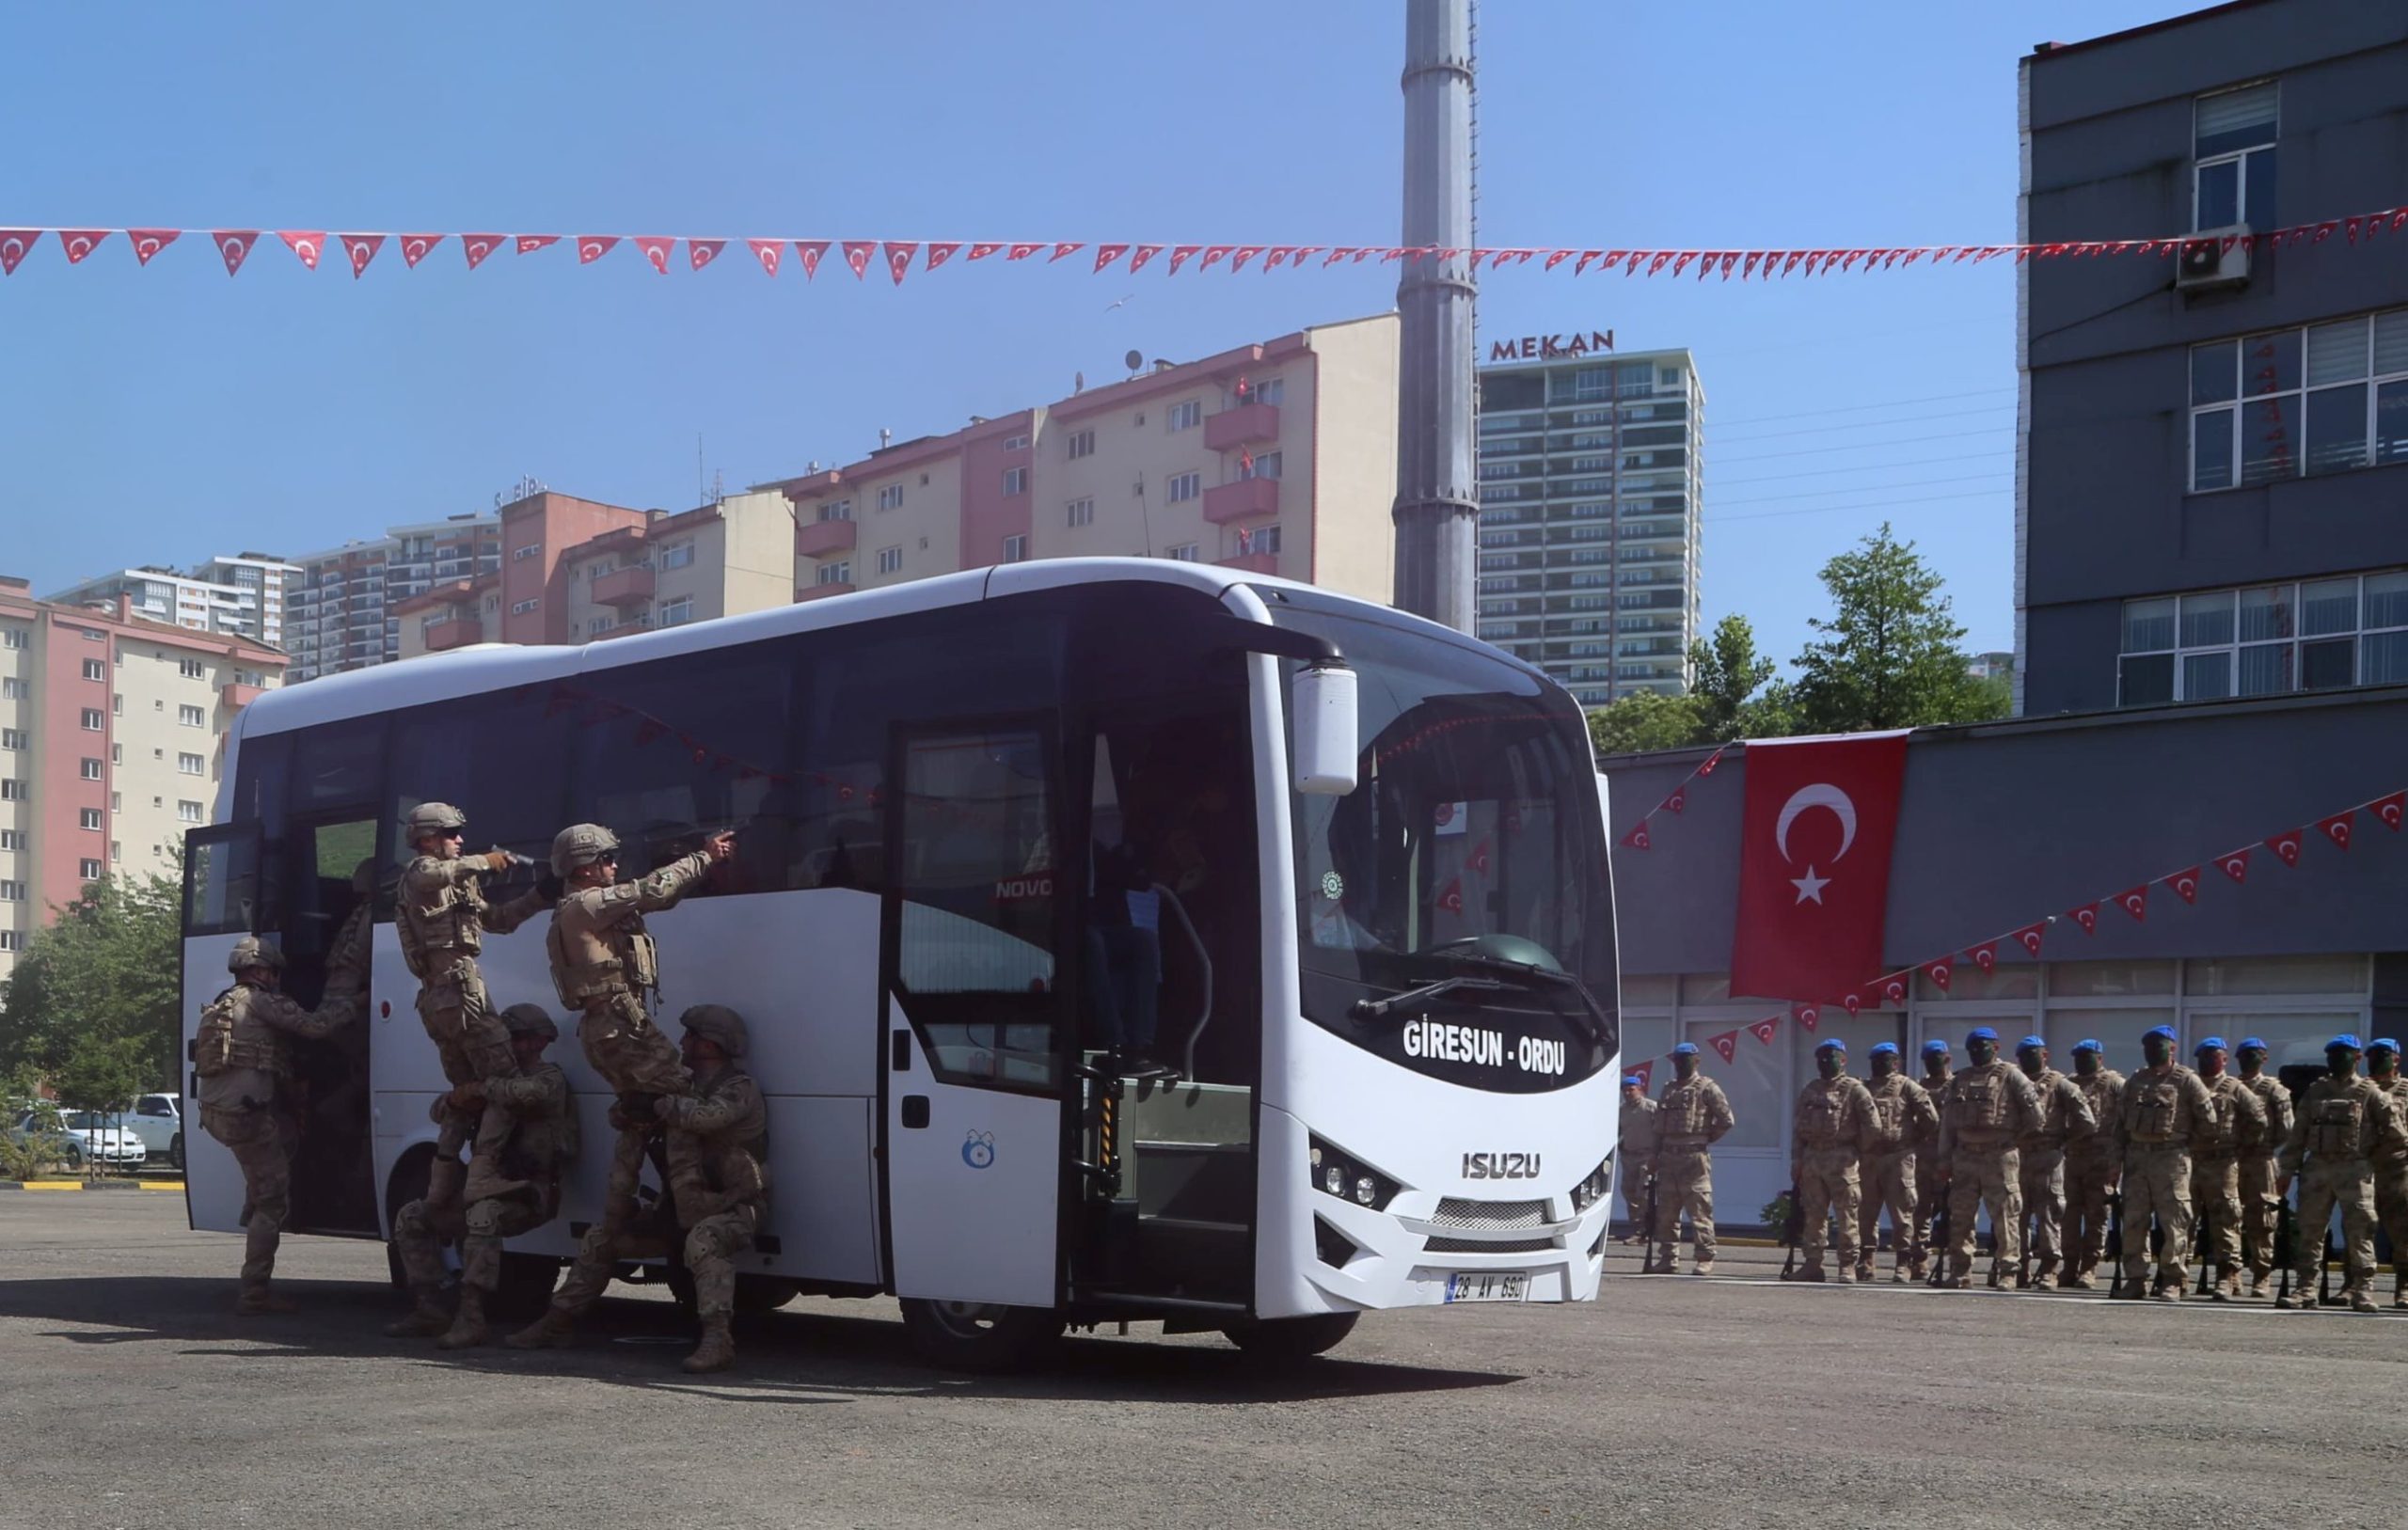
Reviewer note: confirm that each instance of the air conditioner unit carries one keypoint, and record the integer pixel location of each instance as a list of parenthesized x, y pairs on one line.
[(2213, 257)]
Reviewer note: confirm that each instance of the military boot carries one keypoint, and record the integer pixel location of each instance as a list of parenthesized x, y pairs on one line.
[(1864, 1269), (715, 1353), (443, 1181), (426, 1318), (257, 1301), (1844, 1275), (1662, 1262), (1703, 1266), (2166, 1293), (468, 1328), (2292, 1301), (2360, 1300), (552, 1331)]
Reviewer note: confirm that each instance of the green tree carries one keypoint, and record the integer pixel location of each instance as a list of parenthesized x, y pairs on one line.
[(1889, 656), (1729, 672), (94, 1002), (1646, 721)]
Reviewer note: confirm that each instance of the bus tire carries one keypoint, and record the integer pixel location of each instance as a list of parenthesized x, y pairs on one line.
[(406, 1183), (1281, 1340), (979, 1335), (176, 1152)]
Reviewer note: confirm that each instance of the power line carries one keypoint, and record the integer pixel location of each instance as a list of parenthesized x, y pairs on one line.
[(1868, 446), (1867, 467), (1867, 504), (1715, 436), (1853, 408), (1907, 483)]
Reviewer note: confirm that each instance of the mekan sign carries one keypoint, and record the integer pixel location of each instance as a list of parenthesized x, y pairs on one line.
[(1548, 347)]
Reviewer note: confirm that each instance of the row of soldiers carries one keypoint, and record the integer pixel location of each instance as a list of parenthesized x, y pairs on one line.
[(2057, 1159), (690, 1108)]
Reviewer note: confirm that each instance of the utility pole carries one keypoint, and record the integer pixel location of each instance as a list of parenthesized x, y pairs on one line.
[(1437, 505)]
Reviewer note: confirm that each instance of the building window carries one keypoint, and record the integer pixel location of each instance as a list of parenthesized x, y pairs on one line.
[(96, 669), (2318, 635), (12, 839), (12, 689), (678, 555), (674, 614), (117, 754), (13, 790), (192, 717), (1015, 482), (836, 573), (1016, 549), (1259, 539), (1184, 486), (13, 738), (1015, 443), (890, 560), (532, 549), (2324, 399), (1269, 391), (12, 892), (92, 818), (189, 764), (523, 607), (12, 637), (1186, 552), (891, 497), (1081, 512), (1185, 415), (90, 871), (2232, 141), (1267, 465), (598, 568), (1079, 444), (839, 510), (192, 669), (188, 812), (92, 770), (94, 720)]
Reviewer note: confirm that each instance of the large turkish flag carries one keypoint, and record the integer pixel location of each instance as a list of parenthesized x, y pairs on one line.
[(1820, 817)]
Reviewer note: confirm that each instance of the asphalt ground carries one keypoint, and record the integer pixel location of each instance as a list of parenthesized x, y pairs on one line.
[(130, 1396)]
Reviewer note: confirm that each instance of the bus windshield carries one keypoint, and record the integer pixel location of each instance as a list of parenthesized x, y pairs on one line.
[(1471, 849)]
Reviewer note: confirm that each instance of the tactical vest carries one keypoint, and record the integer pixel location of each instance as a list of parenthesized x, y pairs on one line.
[(2222, 1135), (1682, 1111), (438, 925), (734, 1163), (2336, 1123), (2153, 1106), (2394, 1152), (591, 961), (228, 1042), (541, 1147), (1889, 1109), (1978, 1100)]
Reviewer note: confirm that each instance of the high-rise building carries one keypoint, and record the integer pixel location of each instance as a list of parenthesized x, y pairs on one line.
[(339, 616), (1273, 458), (112, 733), (1589, 489), (241, 596)]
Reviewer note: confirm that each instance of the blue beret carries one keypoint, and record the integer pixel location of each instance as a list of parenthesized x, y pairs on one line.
[(1686, 1048), (2208, 1044), (1934, 1048), (1981, 1032), (2251, 1044), (2031, 1043), (1831, 1044), (1884, 1048), (1631, 1081), (2344, 1039), (2382, 1044), (2086, 1045), (2165, 1031)]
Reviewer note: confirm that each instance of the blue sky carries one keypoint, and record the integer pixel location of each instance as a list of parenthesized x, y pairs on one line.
[(167, 414)]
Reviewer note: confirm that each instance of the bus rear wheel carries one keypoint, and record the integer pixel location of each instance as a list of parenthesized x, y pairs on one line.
[(1284, 1339), (979, 1335)]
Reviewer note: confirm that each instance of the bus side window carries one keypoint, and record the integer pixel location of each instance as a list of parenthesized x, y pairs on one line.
[(503, 762)]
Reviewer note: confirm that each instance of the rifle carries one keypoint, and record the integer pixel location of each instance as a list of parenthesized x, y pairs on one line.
[(2116, 1243), (1792, 1229), (2286, 1247), (2200, 1242), (2324, 1297), (1647, 1232), (1940, 1246)]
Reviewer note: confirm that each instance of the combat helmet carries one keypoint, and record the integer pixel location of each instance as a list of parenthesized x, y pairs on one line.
[(719, 1023), (250, 951), (530, 1021), (432, 818), (581, 844)]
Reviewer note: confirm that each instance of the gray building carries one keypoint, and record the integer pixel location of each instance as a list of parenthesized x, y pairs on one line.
[(1589, 494)]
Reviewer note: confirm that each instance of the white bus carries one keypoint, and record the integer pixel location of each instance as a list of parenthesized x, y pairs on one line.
[(984, 823)]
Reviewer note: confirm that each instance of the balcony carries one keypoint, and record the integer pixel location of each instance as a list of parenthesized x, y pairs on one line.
[(1243, 426), (1247, 499), (623, 587), (625, 629), (1253, 563), (235, 696), (819, 538), (458, 632), (821, 592)]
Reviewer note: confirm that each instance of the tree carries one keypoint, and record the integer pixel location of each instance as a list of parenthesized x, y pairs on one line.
[(1729, 672), (1888, 655), (94, 1005), (1646, 721)]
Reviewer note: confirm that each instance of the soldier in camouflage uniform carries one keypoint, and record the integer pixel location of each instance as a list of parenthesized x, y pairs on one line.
[(1634, 1148), (2341, 1124), (514, 1186), (2260, 1207), (725, 1124), (348, 953), (441, 917), (1833, 1118), (1691, 1117), (1932, 1186), (239, 1058), (2389, 1161), (2236, 1130), (2094, 1168), (1903, 1118), (2064, 1117), (2166, 1109), (1987, 1108)]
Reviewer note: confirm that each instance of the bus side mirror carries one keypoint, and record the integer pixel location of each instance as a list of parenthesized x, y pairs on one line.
[(1321, 706)]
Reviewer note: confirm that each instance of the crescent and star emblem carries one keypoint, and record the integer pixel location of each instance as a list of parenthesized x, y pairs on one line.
[(1821, 794)]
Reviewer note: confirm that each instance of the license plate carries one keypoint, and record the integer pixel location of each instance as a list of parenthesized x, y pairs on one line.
[(1504, 1285)]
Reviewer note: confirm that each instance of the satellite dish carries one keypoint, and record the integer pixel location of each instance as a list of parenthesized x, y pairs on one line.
[(1135, 360)]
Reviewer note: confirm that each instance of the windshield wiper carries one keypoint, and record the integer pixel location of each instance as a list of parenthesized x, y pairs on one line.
[(1599, 1026), (1372, 1009)]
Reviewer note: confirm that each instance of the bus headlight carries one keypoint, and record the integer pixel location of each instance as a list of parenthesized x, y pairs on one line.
[(1334, 1173), (1599, 1184)]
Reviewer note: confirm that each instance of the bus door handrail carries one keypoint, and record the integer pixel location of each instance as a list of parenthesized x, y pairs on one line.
[(1204, 960)]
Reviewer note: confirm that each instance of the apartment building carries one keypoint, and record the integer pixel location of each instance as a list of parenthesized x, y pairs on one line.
[(340, 615), (240, 596), (112, 733), (1277, 457)]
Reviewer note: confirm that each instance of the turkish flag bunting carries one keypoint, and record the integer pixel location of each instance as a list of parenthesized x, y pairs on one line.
[(415, 248), (940, 254), (306, 243), (2391, 809), (1181, 254), (1681, 261), (655, 250), (980, 251), (1478, 859), (360, 249), (768, 252), (149, 242), (1851, 1003), (1556, 258), (1765, 1028), (1021, 252), (2030, 937), (1068, 248), (1787, 261), (702, 252), (1452, 899), (1893, 988), (1213, 253), (1581, 265), (1637, 838), (2185, 883), (2336, 828), (1984, 955), (527, 245), (1245, 252), (1749, 269), (14, 242), (2286, 845), (591, 247), (2235, 865), (1939, 972), (898, 259), (2323, 232), (1277, 256), (2134, 901), (1711, 760), (79, 242), (234, 246), (809, 251), (1809, 1015), (1817, 828), (1141, 255), (1643, 1072), (1729, 259), (2086, 916), (1678, 800), (1726, 1046), (1656, 263), (857, 254), (1106, 253)]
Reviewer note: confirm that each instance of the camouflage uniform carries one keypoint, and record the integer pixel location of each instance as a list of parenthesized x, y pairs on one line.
[(347, 954), (1931, 1195), (2235, 1129), (2163, 1112), (2064, 1117), (1635, 1146), (2340, 1126), (2261, 1213), (1833, 1121), (239, 1058), (2094, 1169), (2390, 1164), (1903, 1118), (1691, 1116), (1989, 1106)]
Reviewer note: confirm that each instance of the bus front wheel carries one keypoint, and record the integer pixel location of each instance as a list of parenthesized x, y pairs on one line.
[(1281, 1339), (979, 1335)]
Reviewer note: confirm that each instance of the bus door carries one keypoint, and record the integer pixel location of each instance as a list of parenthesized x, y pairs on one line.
[(976, 906), (327, 865), (225, 899)]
